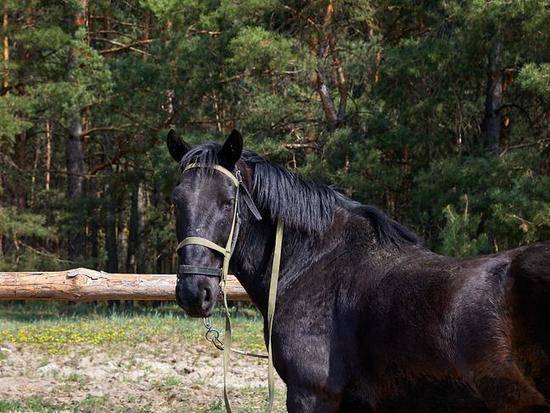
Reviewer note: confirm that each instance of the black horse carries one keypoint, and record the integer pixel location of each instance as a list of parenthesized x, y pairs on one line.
[(367, 319)]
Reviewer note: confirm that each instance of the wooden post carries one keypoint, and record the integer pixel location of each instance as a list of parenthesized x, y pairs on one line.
[(82, 284)]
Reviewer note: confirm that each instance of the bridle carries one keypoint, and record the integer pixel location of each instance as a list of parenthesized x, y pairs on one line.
[(240, 192), (227, 251)]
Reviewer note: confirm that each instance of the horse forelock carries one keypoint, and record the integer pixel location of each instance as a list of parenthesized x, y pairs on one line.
[(205, 155), (302, 204)]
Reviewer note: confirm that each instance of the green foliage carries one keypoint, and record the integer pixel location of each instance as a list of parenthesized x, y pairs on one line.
[(257, 49), (536, 79), (11, 123), (15, 223), (507, 193), (460, 235), (411, 140)]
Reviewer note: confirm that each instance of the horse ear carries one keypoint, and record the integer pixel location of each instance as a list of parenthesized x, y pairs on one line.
[(176, 146), (231, 150)]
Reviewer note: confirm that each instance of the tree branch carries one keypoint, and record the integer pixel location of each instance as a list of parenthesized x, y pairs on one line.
[(108, 163), (541, 142), (523, 111), (122, 46), (204, 32), (121, 128), (308, 145)]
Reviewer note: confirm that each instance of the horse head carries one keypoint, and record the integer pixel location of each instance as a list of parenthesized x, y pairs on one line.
[(206, 201)]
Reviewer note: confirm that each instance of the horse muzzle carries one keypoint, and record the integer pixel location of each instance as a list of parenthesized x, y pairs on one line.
[(197, 295)]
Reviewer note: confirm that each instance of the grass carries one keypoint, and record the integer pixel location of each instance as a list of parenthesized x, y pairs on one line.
[(41, 405), (33, 404), (54, 326), (168, 383), (256, 401)]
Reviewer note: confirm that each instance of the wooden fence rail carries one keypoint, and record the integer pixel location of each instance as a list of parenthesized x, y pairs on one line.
[(82, 284)]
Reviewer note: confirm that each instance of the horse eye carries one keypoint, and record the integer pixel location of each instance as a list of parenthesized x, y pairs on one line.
[(227, 204)]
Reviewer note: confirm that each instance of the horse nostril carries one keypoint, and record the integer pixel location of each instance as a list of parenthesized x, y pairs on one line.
[(207, 294)]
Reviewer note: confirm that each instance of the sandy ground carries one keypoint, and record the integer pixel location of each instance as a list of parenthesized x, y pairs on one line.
[(156, 376)]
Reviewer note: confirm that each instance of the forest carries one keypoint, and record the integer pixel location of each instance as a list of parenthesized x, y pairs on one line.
[(435, 111)]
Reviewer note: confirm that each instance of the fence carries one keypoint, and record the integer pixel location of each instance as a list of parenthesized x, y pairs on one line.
[(82, 284)]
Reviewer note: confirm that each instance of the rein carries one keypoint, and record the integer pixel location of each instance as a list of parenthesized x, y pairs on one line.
[(227, 251)]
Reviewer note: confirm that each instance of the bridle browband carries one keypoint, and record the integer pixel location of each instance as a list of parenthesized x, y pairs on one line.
[(227, 251)]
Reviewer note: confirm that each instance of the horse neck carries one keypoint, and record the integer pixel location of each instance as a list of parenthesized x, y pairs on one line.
[(252, 258), (254, 250)]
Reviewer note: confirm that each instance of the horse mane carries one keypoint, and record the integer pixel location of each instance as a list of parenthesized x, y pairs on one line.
[(386, 228), (302, 204)]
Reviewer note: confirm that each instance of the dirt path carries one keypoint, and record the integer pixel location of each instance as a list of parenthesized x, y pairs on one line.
[(159, 376)]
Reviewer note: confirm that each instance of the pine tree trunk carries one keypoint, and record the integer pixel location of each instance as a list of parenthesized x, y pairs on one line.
[(94, 223), (159, 252), (34, 171), (22, 161), (135, 258), (111, 245), (141, 205), (493, 100), (5, 86), (75, 170), (74, 150), (5, 52), (48, 160), (326, 47), (133, 235), (122, 231)]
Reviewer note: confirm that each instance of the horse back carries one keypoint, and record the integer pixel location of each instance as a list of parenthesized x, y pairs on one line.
[(436, 311), (460, 304), (433, 320)]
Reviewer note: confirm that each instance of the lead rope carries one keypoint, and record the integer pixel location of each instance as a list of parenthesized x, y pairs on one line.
[(272, 298), (271, 310), (212, 335), (227, 336)]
